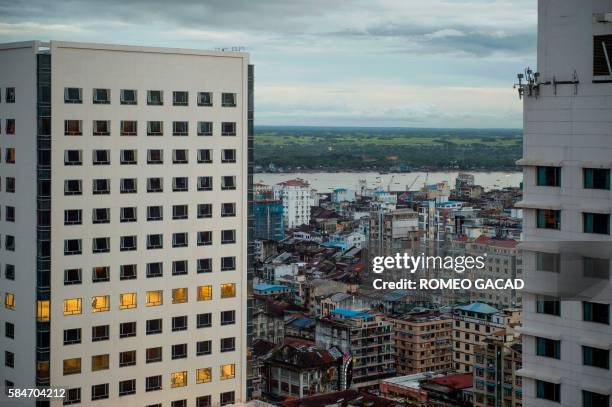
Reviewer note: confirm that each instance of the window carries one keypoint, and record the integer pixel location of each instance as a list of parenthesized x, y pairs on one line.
[(101, 215), (598, 223), (228, 128), (203, 401), (154, 355), (73, 396), (228, 155), (10, 186), (100, 274), (127, 272), (179, 267), (204, 320), (155, 185), (205, 293), (155, 242), (101, 96), (155, 156), (205, 128), (127, 300), (228, 182), (205, 99), (179, 351), (154, 298), (180, 98), (72, 366), (99, 391), (155, 213), (153, 383), (9, 215), (590, 399), (180, 184), (204, 210), (128, 243), (228, 236), (228, 209), (178, 379), (127, 358), (71, 157), (72, 247), (548, 262), (99, 362), (596, 312), (154, 326), (548, 391), (204, 156), (549, 176), (203, 375), (180, 128), (226, 398), (73, 95), (100, 244), (129, 97), (203, 347), (129, 127), (204, 238), (155, 97), (228, 290), (179, 212), (155, 128), (205, 183), (127, 387), (9, 243), (101, 186), (100, 303), (73, 217), (128, 214), (548, 219), (101, 128), (228, 371), (127, 329), (10, 95), (228, 344), (179, 239), (71, 128), (204, 265), (596, 357), (228, 100), (128, 185), (155, 270), (9, 156), (99, 333), (179, 157), (72, 336), (179, 323), (9, 271), (128, 157), (596, 178), (602, 55), (101, 157), (548, 347), (179, 295), (228, 263), (9, 359), (228, 317)]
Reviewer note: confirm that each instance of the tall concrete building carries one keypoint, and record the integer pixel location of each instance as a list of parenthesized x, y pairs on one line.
[(566, 162), (297, 198), (125, 215)]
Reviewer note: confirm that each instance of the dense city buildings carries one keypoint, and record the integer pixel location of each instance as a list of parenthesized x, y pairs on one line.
[(125, 198)]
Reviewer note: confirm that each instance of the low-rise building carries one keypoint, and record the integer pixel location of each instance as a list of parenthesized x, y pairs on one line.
[(449, 391), (407, 389)]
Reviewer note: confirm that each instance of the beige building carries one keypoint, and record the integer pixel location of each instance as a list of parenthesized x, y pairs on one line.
[(126, 202)]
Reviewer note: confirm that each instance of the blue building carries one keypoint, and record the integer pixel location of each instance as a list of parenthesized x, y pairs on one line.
[(268, 222)]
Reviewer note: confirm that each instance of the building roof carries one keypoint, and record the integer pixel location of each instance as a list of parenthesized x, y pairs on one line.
[(262, 347), (298, 182), (341, 398), (456, 382), (269, 287), (478, 307), (349, 313)]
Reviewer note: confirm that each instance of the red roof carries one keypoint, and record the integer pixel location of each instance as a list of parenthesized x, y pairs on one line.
[(456, 382), (294, 183)]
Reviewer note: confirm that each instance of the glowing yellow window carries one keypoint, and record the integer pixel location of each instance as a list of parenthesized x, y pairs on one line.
[(42, 370), (178, 379), (72, 366), (205, 293), (100, 303), (9, 300), (42, 310), (155, 298), (228, 290), (127, 300), (179, 295), (72, 306), (228, 371), (99, 362), (204, 375)]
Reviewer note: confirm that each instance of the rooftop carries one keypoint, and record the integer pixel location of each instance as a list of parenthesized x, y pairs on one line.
[(456, 382), (349, 313), (478, 307)]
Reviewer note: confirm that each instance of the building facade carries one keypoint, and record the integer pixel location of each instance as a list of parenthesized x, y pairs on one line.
[(297, 198), (126, 194), (269, 222)]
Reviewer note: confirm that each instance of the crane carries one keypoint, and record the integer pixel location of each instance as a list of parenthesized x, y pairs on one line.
[(412, 183)]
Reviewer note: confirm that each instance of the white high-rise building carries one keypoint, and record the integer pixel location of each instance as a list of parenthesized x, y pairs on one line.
[(567, 152), (297, 198), (125, 180)]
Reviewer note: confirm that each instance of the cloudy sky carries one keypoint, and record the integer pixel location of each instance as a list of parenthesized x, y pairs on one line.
[(405, 63)]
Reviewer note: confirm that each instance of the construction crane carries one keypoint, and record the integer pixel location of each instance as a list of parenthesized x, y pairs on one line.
[(408, 187)]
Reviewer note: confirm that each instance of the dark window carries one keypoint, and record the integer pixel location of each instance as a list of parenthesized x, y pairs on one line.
[(228, 209), (548, 219), (204, 401), (71, 187), (549, 176), (228, 100), (101, 128), (596, 178), (99, 391), (100, 333), (155, 213), (10, 127), (100, 244), (228, 183), (180, 239), (10, 95), (128, 185), (128, 157), (596, 312), (155, 242), (155, 97), (127, 387), (205, 265), (179, 351), (596, 357), (179, 267), (548, 391), (205, 183), (205, 210), (71, 157), (72, 336), (228, 344), (155, 269), (73, 95), (228, 156), (204, 238), (127, 272), (101, 186), (180, 98), (590, 399), (129, 128), (228, 128), (71, 128), (101, 215), (204, 156), (180, 184), (128, 243), (602, 55), (155, 128), (127, 358), (179, 403), (9, 215), (128, 214), (9, 271), (205, 99), (203, 348), (205, 128), (101, 96), (180, 128), (127, 329), (227, 398), (9, 330), (101, 157), (154, 355), (228, 263), (548, 347), (128, 97), (72, 247), (73, 396), (598, 223), (73, 217), (155, 185), (9, 244), (100, 274), (72, 276), (228, 317), (153, 383), (179, 323), (155, 156), (154, 326), (228, 236), (204, 320), (548, 262), (179, 157), (596, 268), (179, 212)]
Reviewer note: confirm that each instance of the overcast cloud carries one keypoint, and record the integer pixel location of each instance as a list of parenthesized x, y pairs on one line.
[(422, 63)]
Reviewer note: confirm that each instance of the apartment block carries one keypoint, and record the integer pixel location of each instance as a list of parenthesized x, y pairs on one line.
[(422, 342), (125, 194), (297, 198)]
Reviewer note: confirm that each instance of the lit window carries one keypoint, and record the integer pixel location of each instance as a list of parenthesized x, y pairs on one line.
[(154, 298), (228, 290), (203, 375), (127, 300), (99, 362), (178, 379), (72, 366), (72, 306), (548, 219), (73, 128), (228, 371), (9, 300), (100, 303), (179, 295), (205, 293), (42, 310)]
